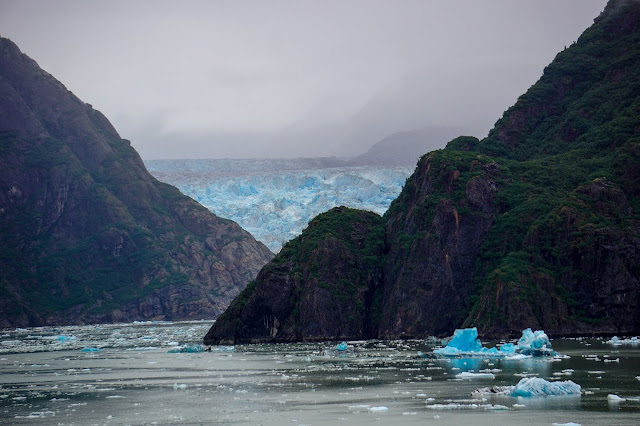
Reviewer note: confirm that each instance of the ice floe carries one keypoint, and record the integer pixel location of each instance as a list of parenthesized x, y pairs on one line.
[(471, 375), (535, 386), (530, 387)]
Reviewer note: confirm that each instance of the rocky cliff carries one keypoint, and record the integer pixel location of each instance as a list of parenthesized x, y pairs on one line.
[(86, 233), (323, 284), (537, 225)]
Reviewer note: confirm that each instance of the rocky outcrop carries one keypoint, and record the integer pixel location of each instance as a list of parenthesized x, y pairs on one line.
[(86, 233), (323, 284), (537, 225)]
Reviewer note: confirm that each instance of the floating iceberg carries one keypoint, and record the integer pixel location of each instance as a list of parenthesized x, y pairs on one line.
[(470, 375), (187, 349), (342, 346), (535, 386), (223, 349), (465, 343), (617, 342), (534, 343), (89, 350), (615, 399), (531, 386)]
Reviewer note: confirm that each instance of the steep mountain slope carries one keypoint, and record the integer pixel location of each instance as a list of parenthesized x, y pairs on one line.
[(537, 225), (86, 233), (322, 285)]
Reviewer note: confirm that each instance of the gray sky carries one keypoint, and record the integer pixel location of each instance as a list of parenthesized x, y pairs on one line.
[(238, 79)]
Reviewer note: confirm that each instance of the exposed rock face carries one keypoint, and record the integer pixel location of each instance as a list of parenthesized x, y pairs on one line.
[(86, 233), (537, 225), (429, 269)]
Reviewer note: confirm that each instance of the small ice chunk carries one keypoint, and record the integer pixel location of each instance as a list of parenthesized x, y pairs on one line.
[(188, 349), (179, 386), (470, 375), (342, 346), (535, 386), (497, 407), (224, 349), (87, 349), (566, 424), (615, 399), (378, 409)]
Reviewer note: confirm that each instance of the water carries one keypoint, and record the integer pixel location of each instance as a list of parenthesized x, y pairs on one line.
[(126, 375)]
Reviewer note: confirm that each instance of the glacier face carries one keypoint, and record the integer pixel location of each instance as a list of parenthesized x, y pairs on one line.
[(275, 199)]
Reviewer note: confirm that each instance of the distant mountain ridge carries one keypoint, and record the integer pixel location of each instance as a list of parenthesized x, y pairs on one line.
[(537, 225), (406, 148), (86, 233)]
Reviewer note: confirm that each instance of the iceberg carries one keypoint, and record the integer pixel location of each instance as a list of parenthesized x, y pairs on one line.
[(530, 387), (535, 386), (617, 342), (465, 343), (615, 399), (342, 346), (534, 343), (187, 349)]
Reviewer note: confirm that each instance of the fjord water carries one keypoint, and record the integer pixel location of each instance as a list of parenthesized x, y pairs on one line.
[(125, 374)]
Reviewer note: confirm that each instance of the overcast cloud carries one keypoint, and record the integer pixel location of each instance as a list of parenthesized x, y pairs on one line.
[(214, 79)]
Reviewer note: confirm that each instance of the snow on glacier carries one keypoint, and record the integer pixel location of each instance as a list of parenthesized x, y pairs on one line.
[(275, 199)]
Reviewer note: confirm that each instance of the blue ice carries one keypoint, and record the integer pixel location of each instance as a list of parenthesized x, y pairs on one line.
[(535, 386), (465, 342), (534, 343)]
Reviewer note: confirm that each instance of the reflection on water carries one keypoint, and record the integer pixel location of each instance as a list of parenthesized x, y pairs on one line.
[(126, 375)]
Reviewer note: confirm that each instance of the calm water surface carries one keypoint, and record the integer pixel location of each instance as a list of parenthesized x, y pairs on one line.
[(126, 375)]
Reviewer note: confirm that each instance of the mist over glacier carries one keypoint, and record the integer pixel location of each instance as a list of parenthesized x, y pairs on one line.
[(275, 199)]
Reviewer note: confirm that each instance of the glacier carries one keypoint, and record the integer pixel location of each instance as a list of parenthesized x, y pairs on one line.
[(275, 199)]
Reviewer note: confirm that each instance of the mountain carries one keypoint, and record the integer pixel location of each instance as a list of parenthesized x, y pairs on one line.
[(537, 225), (275, 199), (86, 233), (405, 148)]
